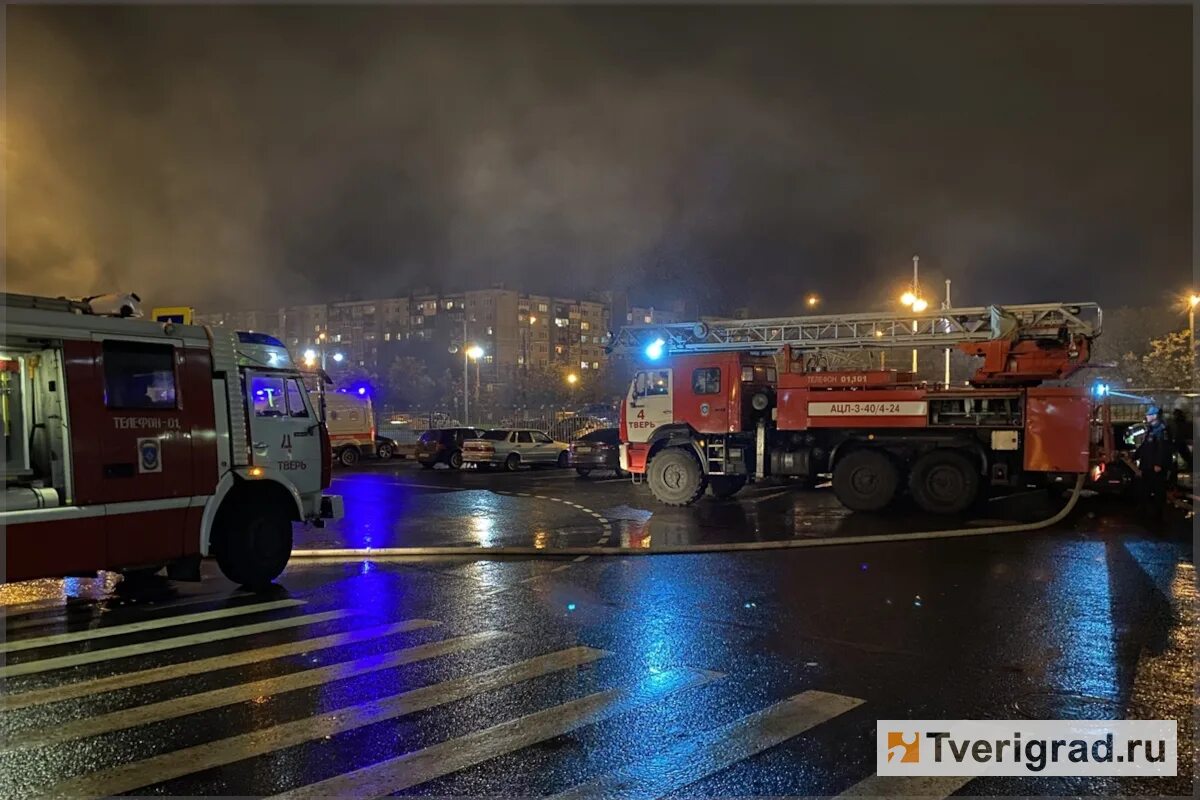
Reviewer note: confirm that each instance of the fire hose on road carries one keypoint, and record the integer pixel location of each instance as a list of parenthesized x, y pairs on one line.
[(721, 547)]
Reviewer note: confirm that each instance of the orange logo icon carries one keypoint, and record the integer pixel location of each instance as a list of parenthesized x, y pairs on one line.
[(903, 747)]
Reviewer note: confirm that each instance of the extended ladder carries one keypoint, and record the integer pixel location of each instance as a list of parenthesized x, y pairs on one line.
[(935, 327)]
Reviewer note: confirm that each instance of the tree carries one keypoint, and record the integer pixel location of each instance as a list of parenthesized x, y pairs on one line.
[(410, 385), (1168, 364)]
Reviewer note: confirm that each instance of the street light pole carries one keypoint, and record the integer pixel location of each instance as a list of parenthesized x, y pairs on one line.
[(466, 410), (916, 260), (946, 304)]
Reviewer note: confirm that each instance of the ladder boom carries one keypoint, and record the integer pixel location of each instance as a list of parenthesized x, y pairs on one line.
[(940, 327)]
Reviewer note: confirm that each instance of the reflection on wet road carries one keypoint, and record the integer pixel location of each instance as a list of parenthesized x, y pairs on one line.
[(748, 674)]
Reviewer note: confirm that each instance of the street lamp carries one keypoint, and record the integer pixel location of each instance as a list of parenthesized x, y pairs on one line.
[(812, 301), (1192, 300), (572, 379), (473, 352)]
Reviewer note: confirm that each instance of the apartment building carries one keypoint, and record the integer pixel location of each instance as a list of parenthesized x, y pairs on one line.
[(513, 329)]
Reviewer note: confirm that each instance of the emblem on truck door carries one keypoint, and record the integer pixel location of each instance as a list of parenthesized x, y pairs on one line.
[(149, 455)]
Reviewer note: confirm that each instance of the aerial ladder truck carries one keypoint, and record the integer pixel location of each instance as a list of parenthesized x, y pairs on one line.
[(716, 404)]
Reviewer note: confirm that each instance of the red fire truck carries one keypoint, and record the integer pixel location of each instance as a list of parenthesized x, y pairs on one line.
[(131, 445), (716, 404)]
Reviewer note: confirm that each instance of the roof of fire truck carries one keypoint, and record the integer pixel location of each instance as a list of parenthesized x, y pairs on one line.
[(944, 327), (29, 315)]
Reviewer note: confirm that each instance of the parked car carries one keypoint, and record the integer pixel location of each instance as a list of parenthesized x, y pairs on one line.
[(597, 450), (385, 447), (444, 446), (511, 448)]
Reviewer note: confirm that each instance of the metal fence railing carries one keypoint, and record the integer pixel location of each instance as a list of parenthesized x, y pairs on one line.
[(406, 427)]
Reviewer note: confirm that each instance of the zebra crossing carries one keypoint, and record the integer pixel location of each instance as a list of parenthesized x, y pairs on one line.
[(59, 710)]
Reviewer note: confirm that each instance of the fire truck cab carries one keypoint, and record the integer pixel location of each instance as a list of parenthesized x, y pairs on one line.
[(133, 444)]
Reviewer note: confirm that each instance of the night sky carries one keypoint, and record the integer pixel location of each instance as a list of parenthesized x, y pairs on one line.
[(254, 157)]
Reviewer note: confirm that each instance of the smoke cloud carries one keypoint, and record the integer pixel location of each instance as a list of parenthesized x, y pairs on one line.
[(242, 157)]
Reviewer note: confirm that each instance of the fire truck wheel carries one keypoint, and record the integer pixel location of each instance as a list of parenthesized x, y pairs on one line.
[(512, 462), (724, 486), (865, 480), (455, 460), (944, 482), (256, 546), (675, 478), (348, 456)]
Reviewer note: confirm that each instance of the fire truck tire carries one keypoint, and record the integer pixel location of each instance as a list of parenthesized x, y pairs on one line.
[(513, 462), (865, 480), (675, 477), (724, 486), (455, 460), (944, 482), (256, 546), (348, 456)]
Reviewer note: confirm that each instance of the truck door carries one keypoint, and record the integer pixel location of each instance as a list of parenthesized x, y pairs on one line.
[(142, 420), (284, 433), (648, 403)]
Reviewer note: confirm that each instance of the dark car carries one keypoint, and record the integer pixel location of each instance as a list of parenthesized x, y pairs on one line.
[(443, 446), (598, 450), (385, 447)]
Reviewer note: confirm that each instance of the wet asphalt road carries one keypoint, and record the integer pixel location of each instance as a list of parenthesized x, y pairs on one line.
[(468, 676)]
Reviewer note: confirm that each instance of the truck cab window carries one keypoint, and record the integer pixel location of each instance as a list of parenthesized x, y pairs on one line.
[(267, 395), (295, 398), (652, 382), (706, 380), (138, 375)]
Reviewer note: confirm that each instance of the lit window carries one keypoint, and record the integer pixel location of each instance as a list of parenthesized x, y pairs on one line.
[(520, 360), (583, 365), (543, 307), (562, 322), (387, 337), (585, 326), (647, 318), (595, 365), (489, 330), (337, 337), (489, 358), (558, 349), (449, 304)]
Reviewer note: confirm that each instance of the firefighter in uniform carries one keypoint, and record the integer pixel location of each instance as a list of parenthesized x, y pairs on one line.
[(1154, 457)]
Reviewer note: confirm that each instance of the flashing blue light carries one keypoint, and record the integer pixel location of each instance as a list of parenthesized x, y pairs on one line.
[(654, 350), (1101, 389), (362, 390), (570, 606)]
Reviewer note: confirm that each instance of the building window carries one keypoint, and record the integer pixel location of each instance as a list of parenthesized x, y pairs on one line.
[(489, 358), (595, 365), (648, 319), (542, 307), (139, 375), (583, 365), (585, 326), (558, 348), (387, 337), (449, 304), (490, 331), (562, 322)]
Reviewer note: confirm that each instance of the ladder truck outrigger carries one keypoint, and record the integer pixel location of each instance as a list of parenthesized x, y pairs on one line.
[(715, 404)]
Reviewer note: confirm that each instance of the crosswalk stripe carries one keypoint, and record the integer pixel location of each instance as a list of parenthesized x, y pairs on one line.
[(167, 766), (216, 698), (420, 766), (145, 625), (142, 648), (922, 787), (64, 615), (69, 691), (691, 760)]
